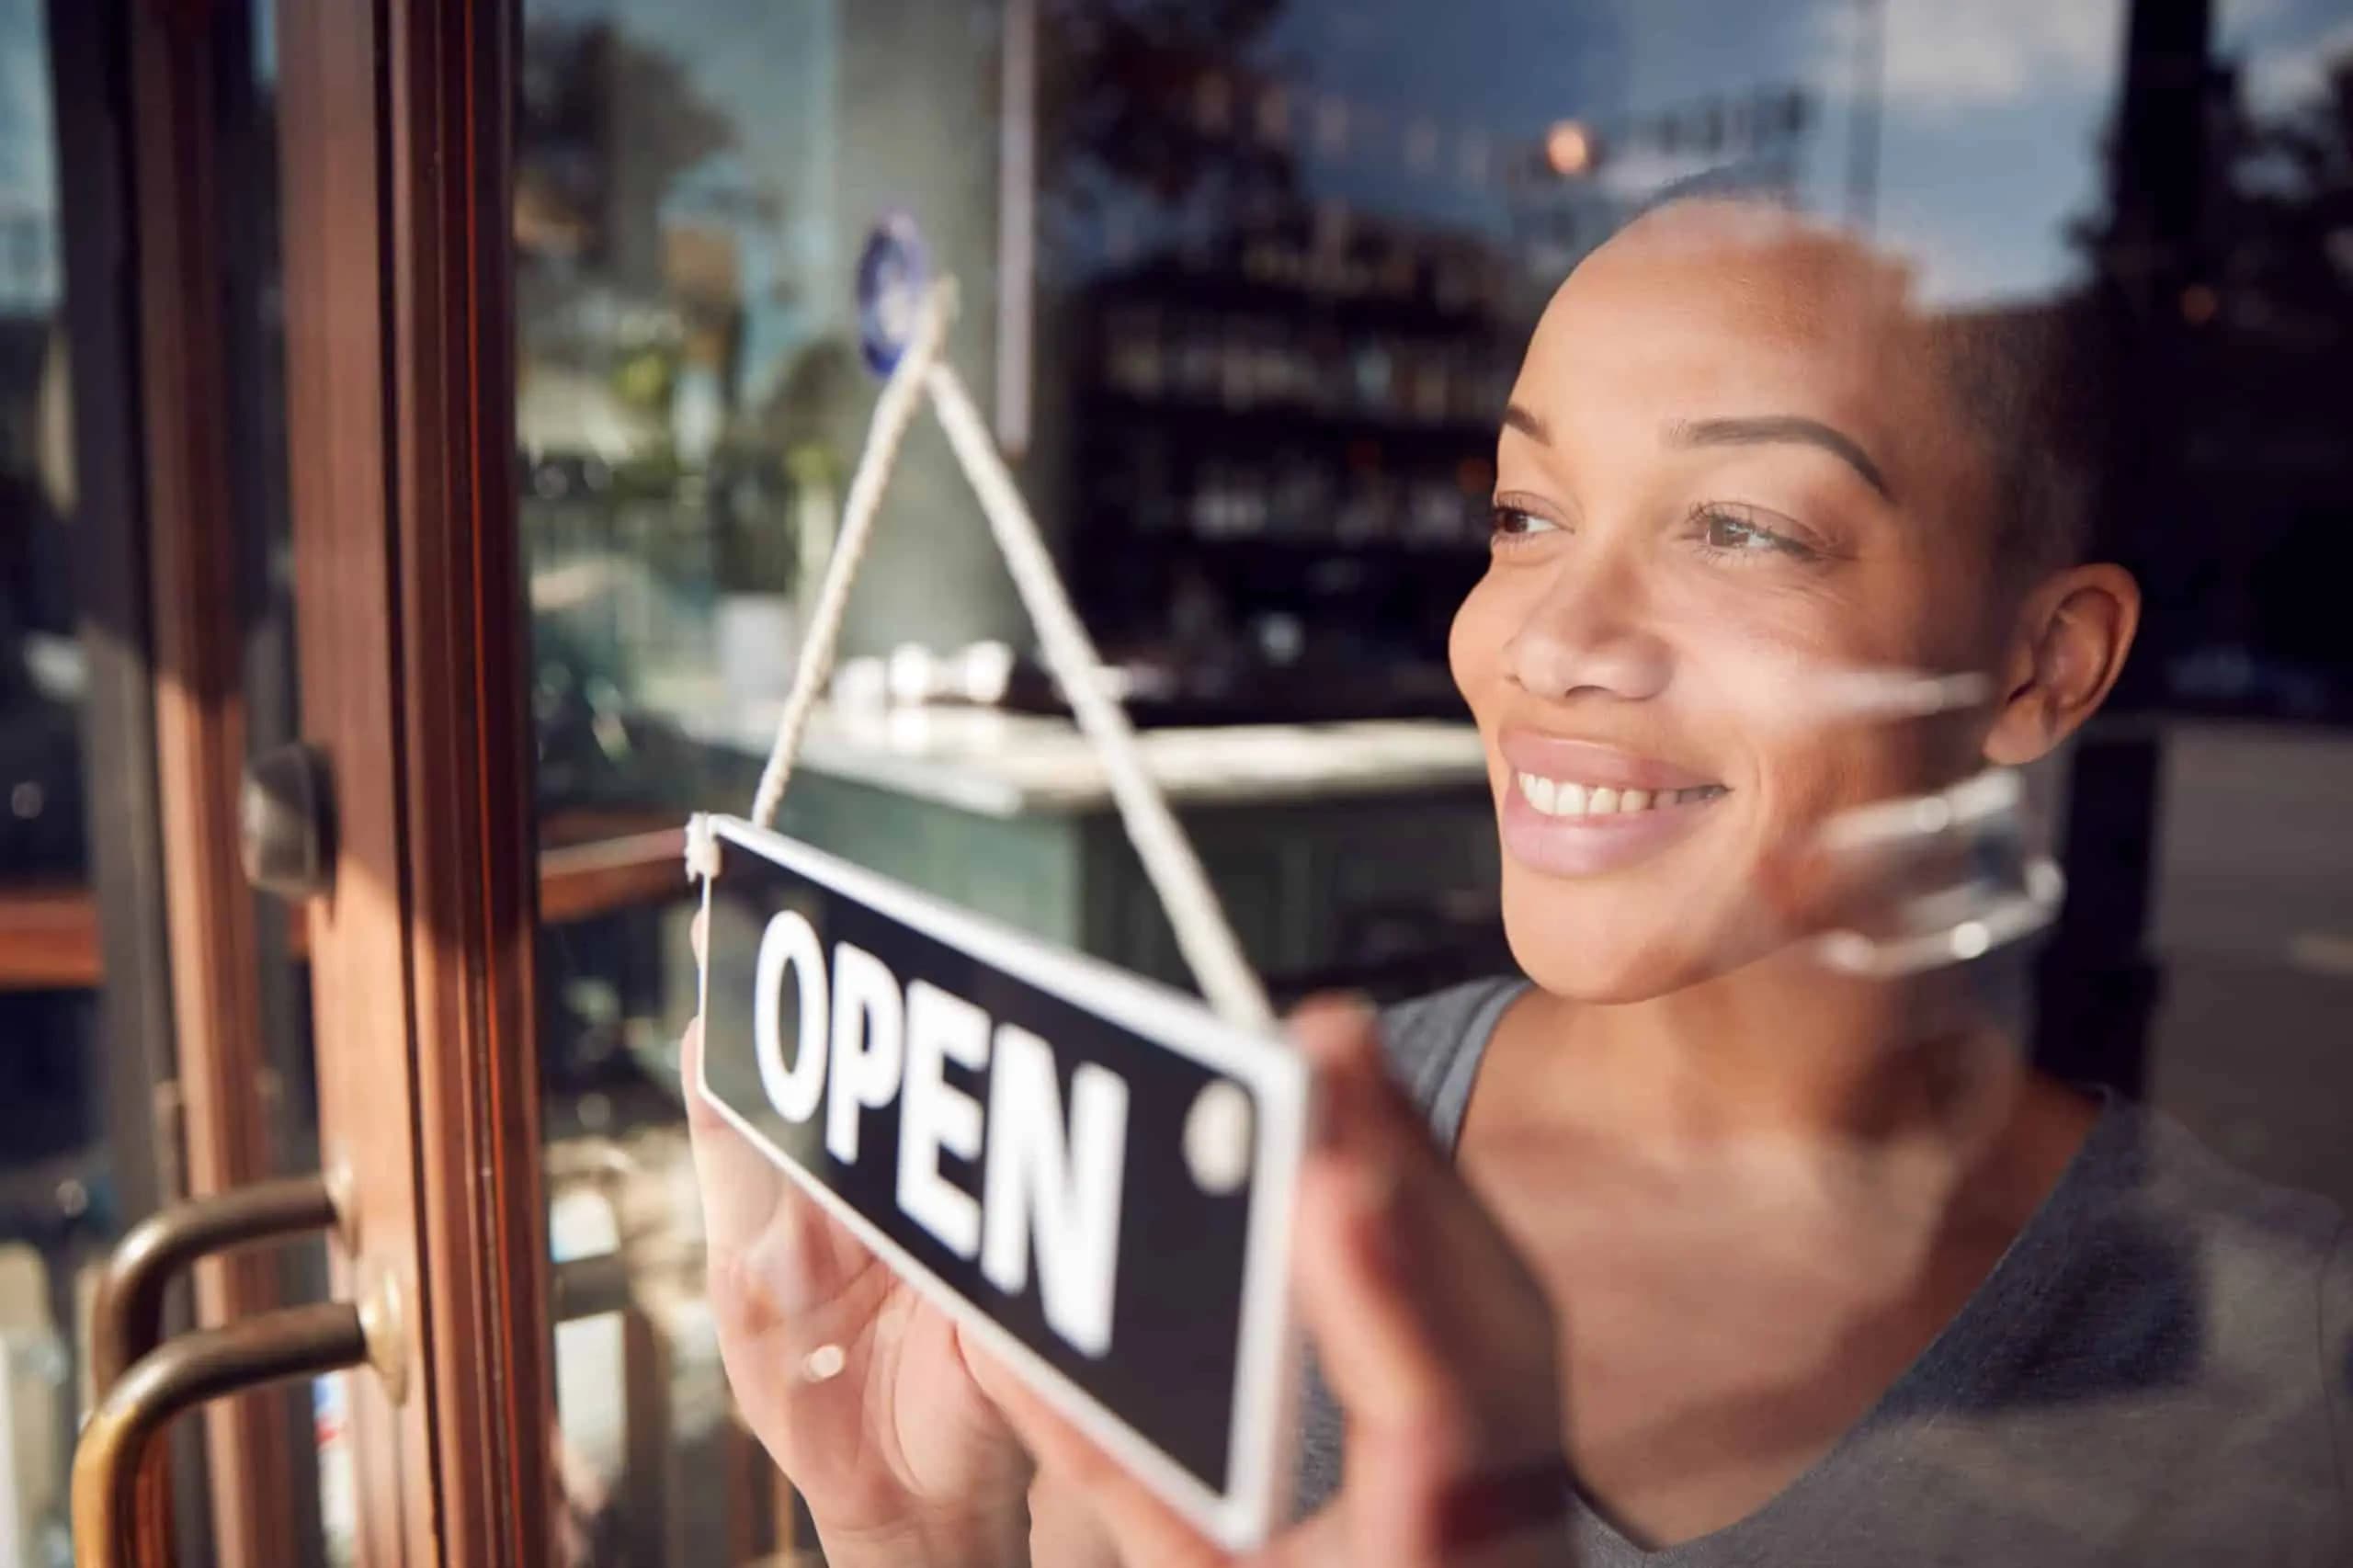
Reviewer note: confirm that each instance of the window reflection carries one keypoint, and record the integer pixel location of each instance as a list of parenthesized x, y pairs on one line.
[(48, 1090), (1287, 255)]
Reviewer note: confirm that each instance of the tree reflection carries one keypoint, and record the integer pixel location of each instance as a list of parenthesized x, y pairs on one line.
[(2245, 350), (604, 123), (1144, 98)]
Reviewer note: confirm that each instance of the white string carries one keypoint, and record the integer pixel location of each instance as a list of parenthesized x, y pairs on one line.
[(1203, 934), (894, 412)]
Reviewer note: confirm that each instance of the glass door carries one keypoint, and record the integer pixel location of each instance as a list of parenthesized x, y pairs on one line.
[(522, 447), (157, 1054), (308, 875)]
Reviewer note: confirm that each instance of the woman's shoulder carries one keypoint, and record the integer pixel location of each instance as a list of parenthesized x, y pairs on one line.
[(2246, 1231), (2211, 1312), (1434, 1044)]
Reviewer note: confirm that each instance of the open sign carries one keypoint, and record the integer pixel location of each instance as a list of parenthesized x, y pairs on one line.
[(1092, 1172)]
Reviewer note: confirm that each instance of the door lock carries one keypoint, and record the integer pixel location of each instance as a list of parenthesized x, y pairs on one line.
[(286, 822)]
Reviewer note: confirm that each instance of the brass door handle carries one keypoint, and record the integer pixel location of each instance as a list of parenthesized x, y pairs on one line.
[(176, 1376), (127, 1320), (143, 1381)]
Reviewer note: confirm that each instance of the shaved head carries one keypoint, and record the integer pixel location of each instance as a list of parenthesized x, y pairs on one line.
[(2021, 382)]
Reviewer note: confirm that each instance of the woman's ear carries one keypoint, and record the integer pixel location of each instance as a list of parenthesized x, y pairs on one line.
[(2072, 638)]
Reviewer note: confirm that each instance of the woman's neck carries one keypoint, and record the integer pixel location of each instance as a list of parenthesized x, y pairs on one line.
[(1785, 1054)]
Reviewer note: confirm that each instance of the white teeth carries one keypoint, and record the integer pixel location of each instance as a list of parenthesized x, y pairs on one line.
[(1559, 798)]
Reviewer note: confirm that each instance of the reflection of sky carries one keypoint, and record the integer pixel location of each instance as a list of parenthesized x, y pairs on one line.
[(2284, 47), (1992, 109), (771, 68), (27, 158), (28, 163)]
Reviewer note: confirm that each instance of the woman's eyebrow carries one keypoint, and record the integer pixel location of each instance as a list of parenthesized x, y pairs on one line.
[(1527, 424), (1775, 429)]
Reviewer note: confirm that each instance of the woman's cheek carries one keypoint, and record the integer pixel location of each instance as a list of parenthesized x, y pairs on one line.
[(1482, 630)]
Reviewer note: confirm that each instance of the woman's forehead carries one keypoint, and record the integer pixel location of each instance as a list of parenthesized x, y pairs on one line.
[(1697, 309)]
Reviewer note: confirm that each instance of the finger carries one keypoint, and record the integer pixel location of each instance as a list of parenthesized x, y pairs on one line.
[(1336, 1029), (1341, 1039), (1065, 1529), (1147, 1532), (699, 1114), (1437, 1341), (779, 1255), (1346, 1267), (742, 1190), (1445, 1459)]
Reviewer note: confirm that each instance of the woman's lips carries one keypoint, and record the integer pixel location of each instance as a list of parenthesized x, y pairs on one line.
[(1576, 809), (1590, 763), (1587, 845)]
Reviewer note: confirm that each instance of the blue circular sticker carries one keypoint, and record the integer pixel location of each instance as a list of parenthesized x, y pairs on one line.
[(893, 270)]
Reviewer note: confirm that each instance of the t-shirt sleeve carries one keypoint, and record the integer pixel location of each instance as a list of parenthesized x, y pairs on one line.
[(1434, 1046)]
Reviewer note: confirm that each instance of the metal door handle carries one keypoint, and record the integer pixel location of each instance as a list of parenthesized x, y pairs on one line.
[(127, 1320), (117, 1495), (176, 1376)]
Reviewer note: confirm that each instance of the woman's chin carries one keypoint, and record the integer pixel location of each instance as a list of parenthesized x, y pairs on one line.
[(1605, 974), (1627, 945)]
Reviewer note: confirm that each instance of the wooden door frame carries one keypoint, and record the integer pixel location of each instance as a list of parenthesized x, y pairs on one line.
[(395, 122), (179, 173), (124, 933)]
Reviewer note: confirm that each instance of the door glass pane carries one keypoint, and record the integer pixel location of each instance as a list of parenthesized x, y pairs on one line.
[(51, 1123), (90, 1129), (1245, 291)]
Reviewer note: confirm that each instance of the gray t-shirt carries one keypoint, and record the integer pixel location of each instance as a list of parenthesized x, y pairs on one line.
[(2158, 1372)]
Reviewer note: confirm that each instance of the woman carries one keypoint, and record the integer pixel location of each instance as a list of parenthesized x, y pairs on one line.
[(1717, 1254)]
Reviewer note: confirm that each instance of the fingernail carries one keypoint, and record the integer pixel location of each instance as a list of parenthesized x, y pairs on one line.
[(1335, 1107), (1326, 1027), (1377, 1218)]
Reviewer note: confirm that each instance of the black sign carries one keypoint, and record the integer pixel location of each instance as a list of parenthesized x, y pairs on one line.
[(1091, 1171)]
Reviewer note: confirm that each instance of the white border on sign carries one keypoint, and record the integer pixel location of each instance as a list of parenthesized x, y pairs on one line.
[(1258, 1444)]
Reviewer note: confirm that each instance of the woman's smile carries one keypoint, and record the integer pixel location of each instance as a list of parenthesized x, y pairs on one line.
[(1576, 808)]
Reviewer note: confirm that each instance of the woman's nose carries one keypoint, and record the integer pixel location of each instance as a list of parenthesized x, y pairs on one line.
[(1592, 631)]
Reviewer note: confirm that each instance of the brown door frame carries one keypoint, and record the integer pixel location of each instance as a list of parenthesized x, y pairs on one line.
[(396, 169), (199, 722), (123, 935)]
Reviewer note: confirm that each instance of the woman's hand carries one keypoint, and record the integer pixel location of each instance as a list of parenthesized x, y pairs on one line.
[(857, 1387), (1437, 1341)]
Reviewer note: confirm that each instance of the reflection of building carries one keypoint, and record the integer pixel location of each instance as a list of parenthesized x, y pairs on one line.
[(2229, 283), (1589, 178), (28, 279), (1295, 318), (1290, 454)]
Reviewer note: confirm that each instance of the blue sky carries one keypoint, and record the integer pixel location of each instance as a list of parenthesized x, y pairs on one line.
[(1994, 108), (28, 155), (28, 171)]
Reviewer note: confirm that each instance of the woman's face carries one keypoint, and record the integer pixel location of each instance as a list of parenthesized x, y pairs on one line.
[(1729, 476)]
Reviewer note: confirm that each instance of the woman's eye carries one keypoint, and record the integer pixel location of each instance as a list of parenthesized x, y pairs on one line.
[(1517, 522), (1729, 532)]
